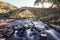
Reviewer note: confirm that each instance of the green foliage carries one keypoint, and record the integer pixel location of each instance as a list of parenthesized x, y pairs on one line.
[(42, 1), (10, 12)]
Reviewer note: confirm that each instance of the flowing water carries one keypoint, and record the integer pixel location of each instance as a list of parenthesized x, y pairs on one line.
[(39, 25)]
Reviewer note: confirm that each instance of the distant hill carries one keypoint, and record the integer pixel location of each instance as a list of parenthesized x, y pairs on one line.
[(6, 7), (50, 15)]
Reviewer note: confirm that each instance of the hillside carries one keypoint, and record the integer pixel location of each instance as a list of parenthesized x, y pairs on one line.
[(6, 7)]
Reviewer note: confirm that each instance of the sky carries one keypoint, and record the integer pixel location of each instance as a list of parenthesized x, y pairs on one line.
[(27, 3), (21, 3)]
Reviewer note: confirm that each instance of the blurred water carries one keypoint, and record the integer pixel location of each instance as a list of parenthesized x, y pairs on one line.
[(38, 24)]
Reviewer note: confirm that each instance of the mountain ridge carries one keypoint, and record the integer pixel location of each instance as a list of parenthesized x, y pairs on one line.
[(6, 7)]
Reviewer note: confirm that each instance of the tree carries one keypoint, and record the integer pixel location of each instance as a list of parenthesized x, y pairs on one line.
[(56, 2)]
